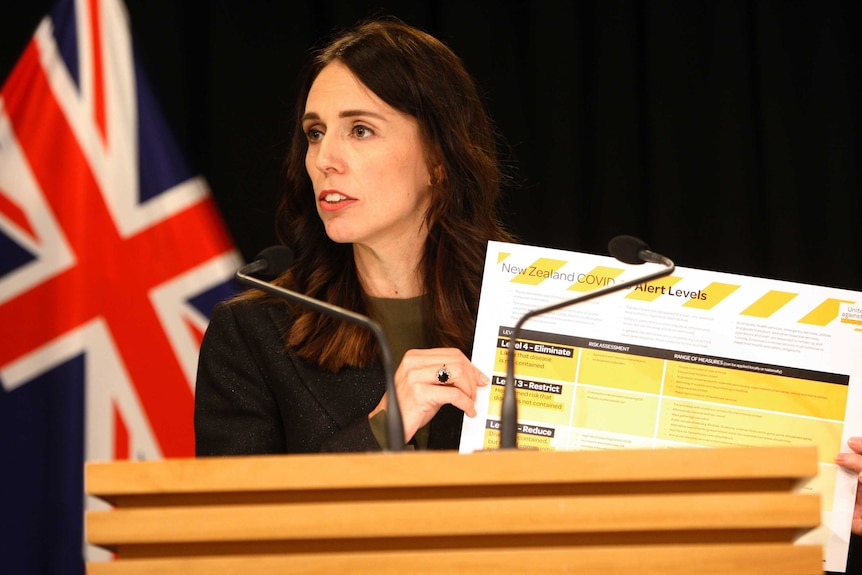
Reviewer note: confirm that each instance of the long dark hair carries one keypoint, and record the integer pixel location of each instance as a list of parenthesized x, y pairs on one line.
[(416, 74)]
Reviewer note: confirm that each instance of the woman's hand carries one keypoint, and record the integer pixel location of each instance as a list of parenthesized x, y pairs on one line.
[(853, 462), (421, 392)]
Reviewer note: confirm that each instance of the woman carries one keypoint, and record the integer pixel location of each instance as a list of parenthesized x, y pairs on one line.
[(391, 189)]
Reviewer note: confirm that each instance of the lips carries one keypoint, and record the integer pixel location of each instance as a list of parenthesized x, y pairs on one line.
[(333, 197), (331, 200)]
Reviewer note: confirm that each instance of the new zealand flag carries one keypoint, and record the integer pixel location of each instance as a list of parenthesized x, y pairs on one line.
[(112, 254)]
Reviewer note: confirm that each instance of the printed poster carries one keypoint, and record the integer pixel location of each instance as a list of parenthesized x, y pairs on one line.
[(696, 358)]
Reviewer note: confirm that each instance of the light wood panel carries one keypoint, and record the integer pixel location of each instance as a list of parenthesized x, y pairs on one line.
[(642, 560), (734, 510)]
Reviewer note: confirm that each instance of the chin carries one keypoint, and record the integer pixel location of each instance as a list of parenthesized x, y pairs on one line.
[(339, 236)]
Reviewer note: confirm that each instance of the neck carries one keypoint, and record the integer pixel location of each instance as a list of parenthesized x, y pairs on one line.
[(389, 273)]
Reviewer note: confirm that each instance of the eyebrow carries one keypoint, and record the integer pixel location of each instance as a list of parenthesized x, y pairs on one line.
[(345, 114)]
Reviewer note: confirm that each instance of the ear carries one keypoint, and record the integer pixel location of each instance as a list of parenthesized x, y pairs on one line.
[(436, 175)]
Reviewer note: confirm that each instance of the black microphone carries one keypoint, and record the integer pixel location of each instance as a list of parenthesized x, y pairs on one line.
[(274, 260), (627, 249)]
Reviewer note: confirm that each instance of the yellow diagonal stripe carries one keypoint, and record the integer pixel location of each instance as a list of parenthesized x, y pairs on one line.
[(599, 276), (502, 256), (538, 271), (713, 294), (651, 291), (824, 313), (770, 303)]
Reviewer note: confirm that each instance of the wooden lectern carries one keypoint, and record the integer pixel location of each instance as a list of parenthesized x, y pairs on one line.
[(663, 511)]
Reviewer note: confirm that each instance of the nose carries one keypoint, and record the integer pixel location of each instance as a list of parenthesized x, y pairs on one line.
[(327, 154)]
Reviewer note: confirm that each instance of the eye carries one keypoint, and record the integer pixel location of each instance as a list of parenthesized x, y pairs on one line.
[(362, 132), (314, 134)]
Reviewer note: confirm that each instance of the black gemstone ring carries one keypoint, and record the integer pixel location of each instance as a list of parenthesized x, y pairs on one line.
[(443, 375)]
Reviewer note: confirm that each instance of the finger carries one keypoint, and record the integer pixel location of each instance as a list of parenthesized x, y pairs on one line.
[(851, 461), (453, 372), (428, 397), (447, 367), (479, 380), (465, 399), (470, 380), (456, 397)]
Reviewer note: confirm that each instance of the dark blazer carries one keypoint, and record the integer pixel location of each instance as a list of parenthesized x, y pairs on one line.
[(254, 397)]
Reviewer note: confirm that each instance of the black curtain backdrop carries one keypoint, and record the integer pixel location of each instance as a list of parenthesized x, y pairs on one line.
[(727, 134)]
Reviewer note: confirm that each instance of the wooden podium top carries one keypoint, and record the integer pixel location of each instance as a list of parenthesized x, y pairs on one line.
[(651, 511), (115, 480)]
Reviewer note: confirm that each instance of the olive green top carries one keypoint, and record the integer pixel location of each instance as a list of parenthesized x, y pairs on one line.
[(403, 323)]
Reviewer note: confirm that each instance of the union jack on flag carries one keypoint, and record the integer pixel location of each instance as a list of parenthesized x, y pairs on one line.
[(112, 254)]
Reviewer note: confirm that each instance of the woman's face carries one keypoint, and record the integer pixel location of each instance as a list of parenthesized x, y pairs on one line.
[(366, 162)]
